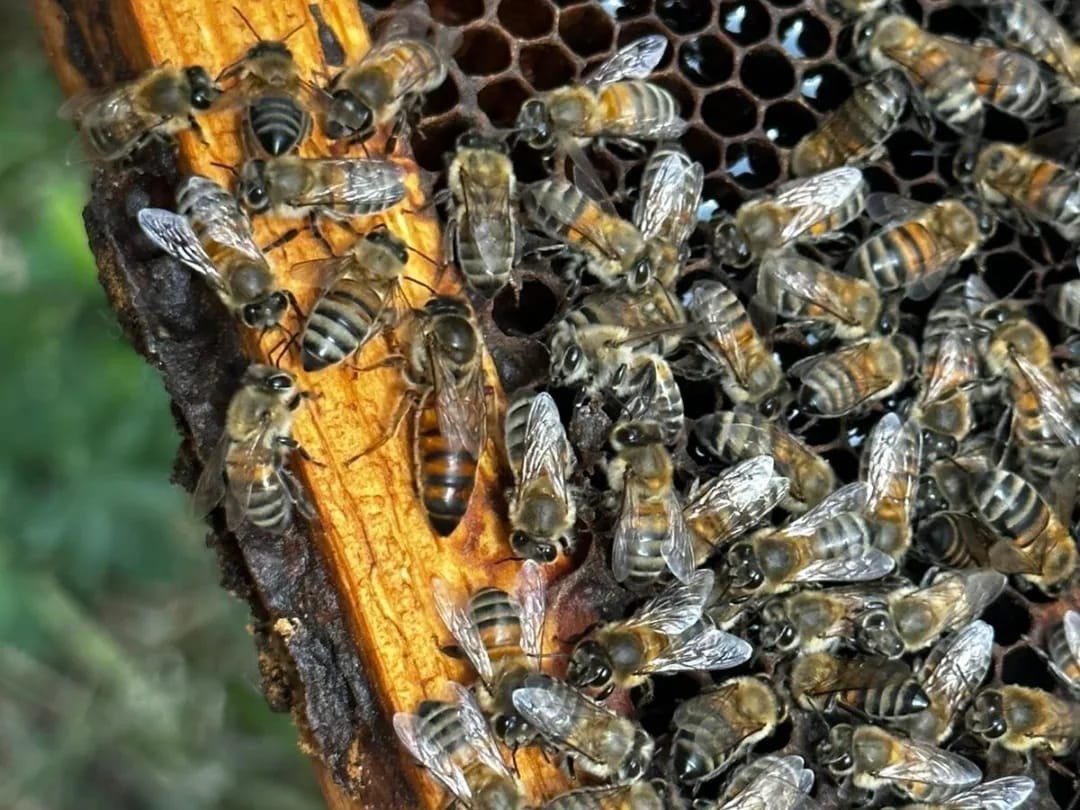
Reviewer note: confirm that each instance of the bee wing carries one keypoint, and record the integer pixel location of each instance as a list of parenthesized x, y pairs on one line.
[(625, 533), (547, 451), (956, 363), (966, 593), (711, 649), (296, 493), (635, 60), (1006, 793), (977, 294), (1053, 401), (73, 108), (174, 235), (430, 756), (223, 221), (460, 406), (747, 492), (677, 607), (477, 731), (728, 343), (803, 278), (894, 451), (812, 199), (355, 181), (861, 566), (546, 710), (783, 784), (677, 550), (249, 460), (463, 629), (1071, 620), (926, 764), (210, 488), (530, 599), (668, 207), (321, 274), (849, 498), (956, 666), (891, 209)]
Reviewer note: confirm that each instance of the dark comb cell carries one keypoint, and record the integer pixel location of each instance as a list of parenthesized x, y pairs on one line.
[(786, 122), (526, 20), (431, 143), (545, 66), (927, 192), (911, 155), (702, 147), (684, 16), (767, 73), (803, 36), (678, 88), (826, 87), (443, 98), (502, 100), (622, 9), (587, 30), (706, 60), (483, 51), (729, 111), (752, 164), (512, 317), (744, 21), (456, 12)]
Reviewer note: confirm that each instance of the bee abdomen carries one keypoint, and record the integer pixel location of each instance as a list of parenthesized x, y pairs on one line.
[(701, 743), (278, 123), (638, 109), (1010, 504), (446, 476), (340, 322), (898, 255), (517, 418), (268, 507), (646, 562), (899, 696)]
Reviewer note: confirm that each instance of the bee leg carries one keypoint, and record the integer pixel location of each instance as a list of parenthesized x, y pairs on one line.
[(406, 120), (315, 226), (403, 406), (282, 240), (198, 130)]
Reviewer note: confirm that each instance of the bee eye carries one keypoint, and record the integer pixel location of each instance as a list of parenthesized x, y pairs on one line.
[(280, 382), (641, 274)]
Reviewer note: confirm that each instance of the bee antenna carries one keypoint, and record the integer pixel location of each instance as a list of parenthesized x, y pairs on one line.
[(291, 32), (423, 284), (513, 558), (422, 255), (247, 23), (284, 345), (230, 169)]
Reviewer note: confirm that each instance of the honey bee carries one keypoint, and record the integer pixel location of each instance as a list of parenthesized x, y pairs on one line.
[(650, 391), (819, 300), (948, 480), (445, 389), (665, 634), (920, 245), (502, 637), (1024, 187), (115, 121), (631, 796), (357, 300), (1063, 650), (614, 249), (1063, 301), (869, 686), (666, 211), (805, 210), (855, 376), (385, 86), (483, 227), (917, 617), (955, 540), (294, 187), (600, 741), (651, 534), (732, 503), (949, 677), (1034, 542), (1006, 793), (276, 98), (778, 783), (1029, 27), (612, 103), (822, 620), (542, 508), (949, 368), (729, 342), (452, 740), (873, 758), (1024, 719), (891, 463), (248, 467), (715, 728), (830, 543), (856, 131), (212, 236), (743, 433)]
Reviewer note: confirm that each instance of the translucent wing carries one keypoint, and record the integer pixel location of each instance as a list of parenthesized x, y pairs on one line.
[(625, 534), (959, 595), (955, 667), (248, 462), (1071, 622), (849, 498), (1007, 793), (489, 218), (862, 566), (321, 274), (210, 488), (174, 235), (112, 108), (929, 765), (977, 294), (557, 710), (668, 205), (460, 405), (635, 60), (891, 209), (743, 494), (462, 628), (475, 726), (547, 450), (677, 607), (779, 783), (1053, 401), (711, 649), (803, 278), (530, 599), (812, 199), (369, 184), (955, 364), (676, 549), (220, 217), (429, 755), (893, 456)]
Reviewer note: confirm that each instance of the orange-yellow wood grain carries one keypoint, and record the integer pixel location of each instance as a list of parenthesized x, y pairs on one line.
[(372, 531)]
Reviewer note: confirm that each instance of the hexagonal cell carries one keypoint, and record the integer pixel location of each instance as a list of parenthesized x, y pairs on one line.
[(483, 51), (675, 85), (502, 99), (586, 30), (1004, 270), (1024, 665), (767, 73), (956, 21), (525, 312), (880, 180), (526, 20), (640, 28), (432, 142), (786, 122), (927, 192), (443, 98), (911, 155), (744, 21), (706, 60), (684, 16), (752, 164), (456, 12), (701, 145), (825, 87), (729, 111), (803, 36), (725, 194), (545, 66), (528, 164), (625, 9)]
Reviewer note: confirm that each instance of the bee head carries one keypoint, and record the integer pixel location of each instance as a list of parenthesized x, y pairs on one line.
[(348, 117), (835, 750), (453, 333), (385, 238), (266, 312), (533, 548), (641, 273), (729, 245), (635, 434), (253, 190), (568, 362), (876, 632), (743, 568), (474, 139), (534, 124), (636, 763), (589, 665), (777, 631), (269, 378), (203, 90), (986, 717)]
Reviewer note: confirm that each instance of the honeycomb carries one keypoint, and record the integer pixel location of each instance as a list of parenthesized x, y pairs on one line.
[(753, 77)]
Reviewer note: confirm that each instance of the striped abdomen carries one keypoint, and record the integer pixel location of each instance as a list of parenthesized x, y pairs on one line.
[(445, 475), (1051, 194), (897, 695), (651, 393), (899, 255), (496, 616), (947, 86), (485, 247), (1057, 646), (844, 535), (269, 506), (1040, 449), (440, 725), (705, 740), (848, 211), (1011, 81), (278, 123), (1012, 506), (342, 321), (517, 418), (955, 539), (735, 435), (635, 109), (652, 528), (1030, 28), (557, 208), (852, 378)]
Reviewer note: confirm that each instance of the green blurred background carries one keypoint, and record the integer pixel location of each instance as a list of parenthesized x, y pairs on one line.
[(127, 679)]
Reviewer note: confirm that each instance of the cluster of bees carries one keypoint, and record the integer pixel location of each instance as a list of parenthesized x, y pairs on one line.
[(751, 537)]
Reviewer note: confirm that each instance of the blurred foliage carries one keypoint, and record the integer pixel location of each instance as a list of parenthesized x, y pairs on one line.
[(126, 676)]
